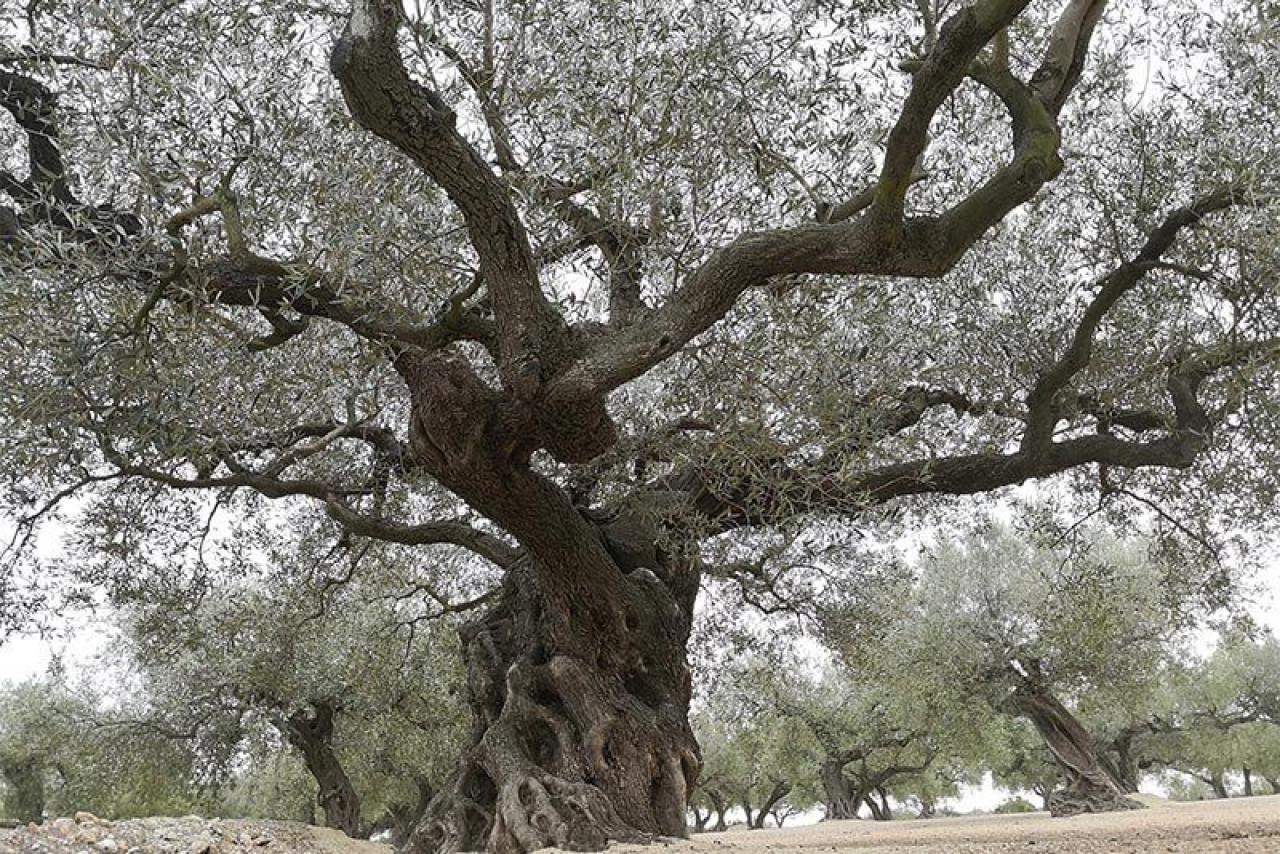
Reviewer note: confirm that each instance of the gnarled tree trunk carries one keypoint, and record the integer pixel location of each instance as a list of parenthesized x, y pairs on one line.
[(1090, 783), (842, 801), (312, 734), (581, 736), (577, 678)]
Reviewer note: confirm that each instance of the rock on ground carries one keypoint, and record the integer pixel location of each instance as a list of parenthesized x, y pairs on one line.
[(88, 834)]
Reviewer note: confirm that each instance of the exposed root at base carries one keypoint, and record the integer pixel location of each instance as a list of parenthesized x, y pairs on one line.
[(539, 810), (1069, 802)]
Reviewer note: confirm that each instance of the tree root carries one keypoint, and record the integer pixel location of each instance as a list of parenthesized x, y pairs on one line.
[(1069, 802)]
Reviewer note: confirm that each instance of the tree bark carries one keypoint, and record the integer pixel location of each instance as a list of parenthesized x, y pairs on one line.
[(1090, 784), (1043, 793), (842, 803), (886, 812), (1219, 785), (404, 817), (745, 802), (1248, 781), (581, 737), (1126, 764), (700, 818), (312, 734)]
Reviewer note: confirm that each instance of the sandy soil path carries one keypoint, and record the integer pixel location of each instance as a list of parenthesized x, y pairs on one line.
[(1208, 827)]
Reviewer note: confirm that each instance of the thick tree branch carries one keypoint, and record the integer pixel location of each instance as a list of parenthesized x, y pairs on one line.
[(960, 40), (762, 492), (272, 286), (532, 337), (1042, 412), (45, 194), (620, 244), (1064, 59)]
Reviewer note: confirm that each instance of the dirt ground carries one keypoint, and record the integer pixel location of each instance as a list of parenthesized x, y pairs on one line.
[(1210, 827), (1206, 827)]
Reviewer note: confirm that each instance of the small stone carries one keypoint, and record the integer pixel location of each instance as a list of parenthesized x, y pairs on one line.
[(90, 835), (63, 827), (108, 845)]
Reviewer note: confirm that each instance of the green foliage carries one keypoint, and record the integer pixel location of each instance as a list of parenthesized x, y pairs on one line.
[(275, 784), (1091, 614), (250, 656), (1014, 806), (749, 747), (1223, 716), (73, 758)]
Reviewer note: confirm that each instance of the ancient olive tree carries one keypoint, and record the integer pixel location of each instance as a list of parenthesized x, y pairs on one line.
[(1077, 633), (578, 287)]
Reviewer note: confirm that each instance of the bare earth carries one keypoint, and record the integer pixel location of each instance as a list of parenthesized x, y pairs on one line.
[(1236, 825), (1211, 827)]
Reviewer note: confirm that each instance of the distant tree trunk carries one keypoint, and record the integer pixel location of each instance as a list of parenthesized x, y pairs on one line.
[(780, 790), (745, 800), (886, 814), (1248, 782), (1090, 784), (1218, 783), (842, 802), (1274, 783), (700, 818), (870, 801), (721, 808), (25, 799), (312, 734), (1042, 791), (928, 807)]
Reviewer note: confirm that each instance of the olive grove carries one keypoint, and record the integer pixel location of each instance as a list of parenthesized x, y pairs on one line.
[(615, 297)]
